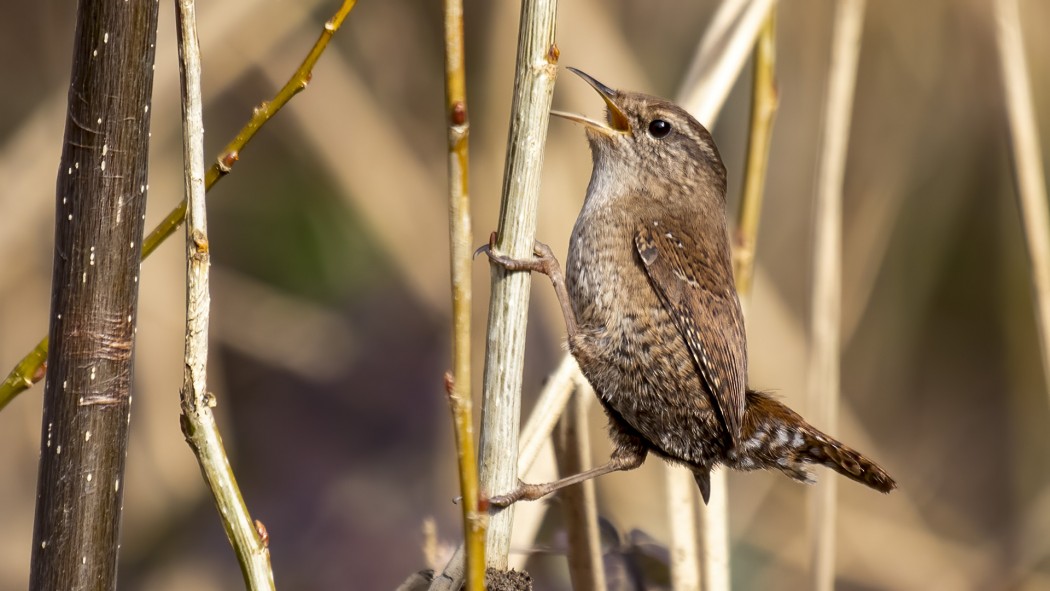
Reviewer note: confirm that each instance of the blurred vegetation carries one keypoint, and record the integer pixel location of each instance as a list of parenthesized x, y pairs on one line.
[(330, 298)]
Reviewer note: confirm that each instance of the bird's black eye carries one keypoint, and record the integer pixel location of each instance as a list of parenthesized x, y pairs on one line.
[(659, 128)]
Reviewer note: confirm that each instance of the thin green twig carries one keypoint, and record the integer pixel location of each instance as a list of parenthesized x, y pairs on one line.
[(763, 111), (461, 246), (30, 369)]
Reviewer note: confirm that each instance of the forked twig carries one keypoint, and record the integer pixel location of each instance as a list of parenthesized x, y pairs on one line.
[(260, 116), (29, 370)]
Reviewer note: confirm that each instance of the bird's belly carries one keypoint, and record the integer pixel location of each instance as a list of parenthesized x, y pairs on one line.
[(631, 351)]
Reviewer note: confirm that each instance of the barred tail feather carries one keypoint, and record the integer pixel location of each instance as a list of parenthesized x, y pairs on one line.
[(776, 437), (821, 449)]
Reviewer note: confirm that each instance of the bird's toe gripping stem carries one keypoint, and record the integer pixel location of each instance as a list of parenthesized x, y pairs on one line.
[(543, 260)]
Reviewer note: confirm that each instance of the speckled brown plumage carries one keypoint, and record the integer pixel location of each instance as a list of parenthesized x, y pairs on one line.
[(655, 323)]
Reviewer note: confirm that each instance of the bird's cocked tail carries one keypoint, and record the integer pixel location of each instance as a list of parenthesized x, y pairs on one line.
[(776, 437)]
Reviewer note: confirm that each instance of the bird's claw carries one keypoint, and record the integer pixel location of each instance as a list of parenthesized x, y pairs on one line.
[(523, 492), (502, 501), (487, 248), (543, 260)]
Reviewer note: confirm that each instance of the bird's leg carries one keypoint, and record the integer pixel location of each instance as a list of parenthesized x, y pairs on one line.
[(543, 262), (622, 459)]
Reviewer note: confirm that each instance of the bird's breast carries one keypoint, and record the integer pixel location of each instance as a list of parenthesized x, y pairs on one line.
[(628, 345), (623, 324), (605, 280)]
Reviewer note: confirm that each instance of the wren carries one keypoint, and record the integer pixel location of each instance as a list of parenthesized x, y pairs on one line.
[(652, 312)]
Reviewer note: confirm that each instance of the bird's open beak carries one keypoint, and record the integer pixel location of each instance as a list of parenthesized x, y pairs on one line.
[(618, 122)]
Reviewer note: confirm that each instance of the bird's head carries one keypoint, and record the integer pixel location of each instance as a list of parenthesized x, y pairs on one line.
[(647, 142)]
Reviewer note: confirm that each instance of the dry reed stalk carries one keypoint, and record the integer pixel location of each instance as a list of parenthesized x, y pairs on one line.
[(826, 316), (717, 63), (580, 509), (248, 537), (1028, 165), (534, 76)]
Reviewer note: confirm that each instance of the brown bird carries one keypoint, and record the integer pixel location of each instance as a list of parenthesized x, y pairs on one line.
[(652, 311)]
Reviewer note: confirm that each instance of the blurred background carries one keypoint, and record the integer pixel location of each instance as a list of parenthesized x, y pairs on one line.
[(331, 307)]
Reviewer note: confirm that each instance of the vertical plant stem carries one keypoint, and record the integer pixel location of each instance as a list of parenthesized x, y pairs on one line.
[(536, 453), (763, 111), (549, 406), (99, 205), (537, 430), (534, 76), (686, 571), (461, 247), (198, 422), (556, 393), (827, 272), (716, 66), (30, 369), (573, 452), (1028, 165), (714, 535)]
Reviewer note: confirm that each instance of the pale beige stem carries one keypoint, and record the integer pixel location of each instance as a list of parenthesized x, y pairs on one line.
[(579, 506), (826, 307), (1028, 165), (198, 421), (685, 543), (717, 65), (534, 77), (534, 435), (718, 60)]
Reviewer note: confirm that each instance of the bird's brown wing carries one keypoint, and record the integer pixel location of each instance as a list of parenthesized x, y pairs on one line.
[(698, 291)]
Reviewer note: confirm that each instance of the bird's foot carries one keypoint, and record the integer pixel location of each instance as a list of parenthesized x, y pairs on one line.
[(524, 492), (623, 458), (543, 260)]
